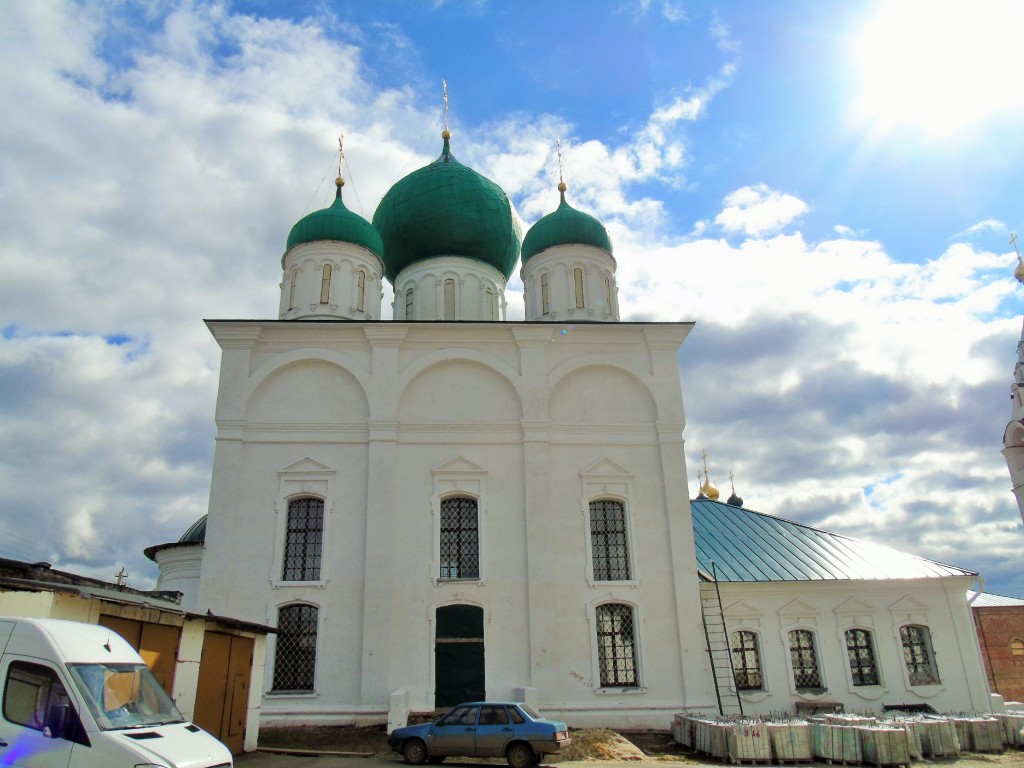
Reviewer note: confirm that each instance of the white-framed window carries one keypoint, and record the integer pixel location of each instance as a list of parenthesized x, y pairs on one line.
[(291, 289), (545, 294), (617, 657), (608, 523), (409, 306), (304, 509), (325, 284), (860, 651), (295, 648), (303, 540), (577, 281), (746, 660), (360, 290), (803, 655), (449, 299), (609, 541), (459, 542), (918, 655), (459, 506)]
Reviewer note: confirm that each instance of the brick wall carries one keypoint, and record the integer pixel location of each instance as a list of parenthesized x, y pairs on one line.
[(1004, 664)]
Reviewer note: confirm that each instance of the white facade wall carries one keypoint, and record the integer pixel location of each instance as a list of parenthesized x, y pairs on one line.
[(384, 420), (830, 608)]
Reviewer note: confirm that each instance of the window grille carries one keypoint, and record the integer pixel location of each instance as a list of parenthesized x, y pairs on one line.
[(746, 660), (303, 540), (917, 655), (616, 645), (577, 278), (861, 651), (608, 541), (325, 285), (805, 659), (460, 539), (295, 655)]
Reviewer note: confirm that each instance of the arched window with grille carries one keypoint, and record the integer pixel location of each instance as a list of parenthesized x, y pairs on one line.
[(616, 645), (918, 655), (803, 654), (860, 649), (746, 660), (295, 651), (460, 538), (609, 545), (303, 540), (325, 284)]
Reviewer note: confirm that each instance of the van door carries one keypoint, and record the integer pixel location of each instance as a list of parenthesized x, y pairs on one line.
[(29, 690)]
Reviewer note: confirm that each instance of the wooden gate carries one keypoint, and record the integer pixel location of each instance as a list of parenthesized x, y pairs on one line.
[(222, 698)]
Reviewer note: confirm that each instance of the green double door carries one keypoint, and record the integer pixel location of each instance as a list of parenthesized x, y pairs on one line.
[(459, 655)]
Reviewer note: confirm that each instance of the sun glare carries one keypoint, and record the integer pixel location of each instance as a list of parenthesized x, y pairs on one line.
[(939, 65)]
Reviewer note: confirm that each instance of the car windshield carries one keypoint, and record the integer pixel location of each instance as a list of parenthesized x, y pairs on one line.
[(124, 696)]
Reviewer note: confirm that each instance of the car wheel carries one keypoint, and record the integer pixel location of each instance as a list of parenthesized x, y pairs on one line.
[(414, 752), (519, 756)]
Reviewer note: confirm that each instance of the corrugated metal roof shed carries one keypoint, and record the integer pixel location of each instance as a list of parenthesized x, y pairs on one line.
[(749, 546)]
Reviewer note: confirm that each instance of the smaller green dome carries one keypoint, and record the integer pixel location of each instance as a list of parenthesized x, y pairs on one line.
[(565, 226), (336, 223)]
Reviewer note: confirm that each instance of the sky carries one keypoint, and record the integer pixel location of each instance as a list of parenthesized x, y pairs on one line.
[(827, 189)]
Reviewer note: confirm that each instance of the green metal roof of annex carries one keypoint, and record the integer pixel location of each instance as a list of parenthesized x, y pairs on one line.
[(750, 546), (563, 226), (447, 209), (335, 223)]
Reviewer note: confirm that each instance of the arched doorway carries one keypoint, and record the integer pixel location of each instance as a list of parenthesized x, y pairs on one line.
[(459, 655)]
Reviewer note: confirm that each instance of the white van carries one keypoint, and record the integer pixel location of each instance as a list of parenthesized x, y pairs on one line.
[(78, 696)]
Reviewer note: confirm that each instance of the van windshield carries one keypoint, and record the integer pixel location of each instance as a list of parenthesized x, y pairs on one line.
[(124, 696)]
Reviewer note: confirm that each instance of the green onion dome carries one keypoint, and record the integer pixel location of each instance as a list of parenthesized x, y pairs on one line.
[(447, 209), (565, 226), (336, 223)]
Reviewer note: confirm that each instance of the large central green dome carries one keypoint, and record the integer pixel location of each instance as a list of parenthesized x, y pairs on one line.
[(447, 209)]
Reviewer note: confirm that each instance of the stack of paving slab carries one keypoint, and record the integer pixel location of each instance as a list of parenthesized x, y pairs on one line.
[(1013, 728), (884, 745), (836, 743), (979, 734), (791, 742)]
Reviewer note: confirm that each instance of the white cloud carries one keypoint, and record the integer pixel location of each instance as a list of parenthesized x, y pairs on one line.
[(757, 210), (140, 198)]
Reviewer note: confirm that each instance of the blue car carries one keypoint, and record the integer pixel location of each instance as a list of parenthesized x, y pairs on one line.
[(482, 729)]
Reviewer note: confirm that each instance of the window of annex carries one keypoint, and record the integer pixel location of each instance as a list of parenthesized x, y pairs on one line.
[(1016, 647), (803, 655), (459, 506), (295, 649), (918, 656), (303, 507), (618, 660), (860, 651), (325, 284), (746, 660)]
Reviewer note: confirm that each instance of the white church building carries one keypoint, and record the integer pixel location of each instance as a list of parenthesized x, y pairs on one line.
[(449, 506)]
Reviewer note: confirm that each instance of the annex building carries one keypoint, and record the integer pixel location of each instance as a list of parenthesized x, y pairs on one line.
[(450, 506)]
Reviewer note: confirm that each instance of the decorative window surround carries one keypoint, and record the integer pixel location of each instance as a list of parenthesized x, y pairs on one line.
[(303, 478), (604, 479), (639, 688), (458, 477)]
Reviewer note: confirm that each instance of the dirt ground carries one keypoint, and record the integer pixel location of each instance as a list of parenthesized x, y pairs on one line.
[(593, 744)]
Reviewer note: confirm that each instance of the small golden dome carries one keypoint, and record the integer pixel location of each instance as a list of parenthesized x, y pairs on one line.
[(710, 490), (339, 182), (1019, 271), (561, 186)]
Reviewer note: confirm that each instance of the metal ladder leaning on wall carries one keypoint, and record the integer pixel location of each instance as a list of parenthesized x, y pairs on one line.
[(717, 636)]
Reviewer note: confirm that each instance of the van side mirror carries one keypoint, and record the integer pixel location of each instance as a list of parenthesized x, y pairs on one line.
[(56, 719)]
